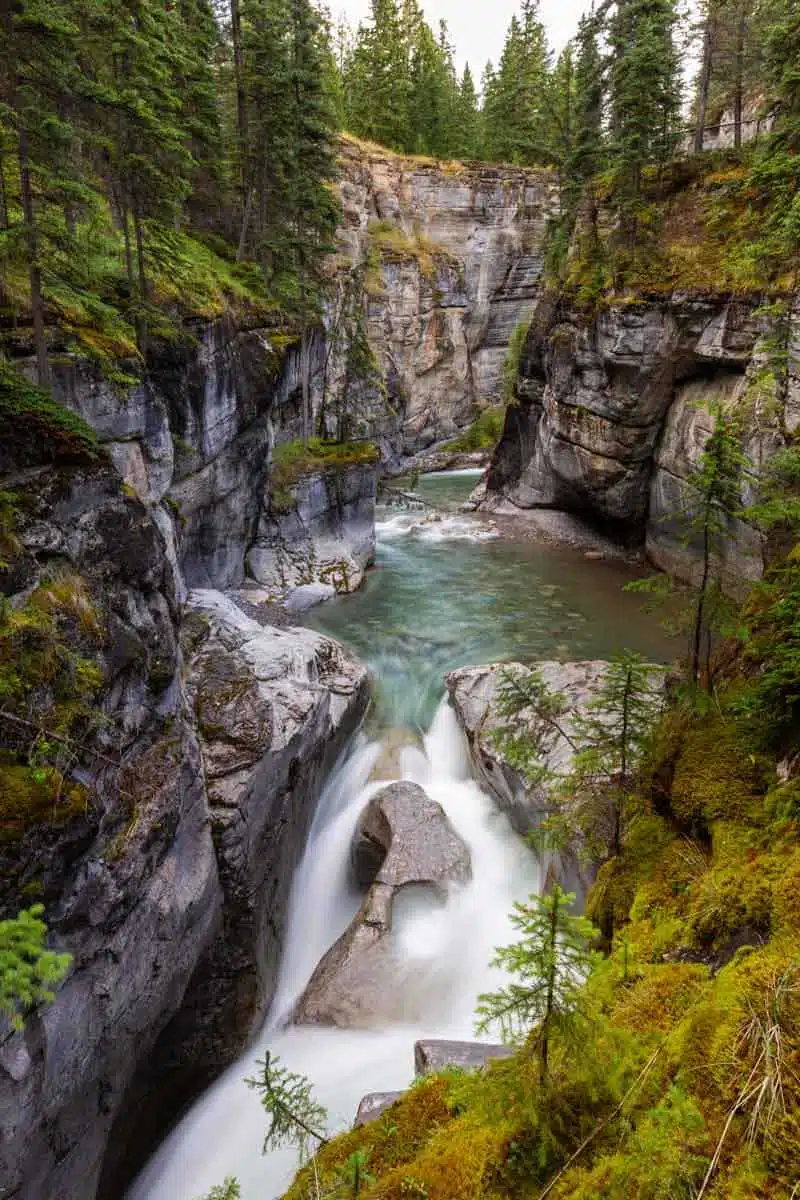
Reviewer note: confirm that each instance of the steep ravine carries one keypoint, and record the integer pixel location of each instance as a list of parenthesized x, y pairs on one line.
[(170, 891)]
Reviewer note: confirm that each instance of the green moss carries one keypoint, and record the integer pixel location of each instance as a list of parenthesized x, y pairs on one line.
[(294, 460), (391, 244), (35, 428), (482, 434)]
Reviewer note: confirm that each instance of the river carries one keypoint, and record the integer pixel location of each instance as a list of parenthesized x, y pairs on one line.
[(445, 592)]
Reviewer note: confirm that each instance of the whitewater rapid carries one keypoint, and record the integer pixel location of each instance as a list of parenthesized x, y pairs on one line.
[(444, 952)]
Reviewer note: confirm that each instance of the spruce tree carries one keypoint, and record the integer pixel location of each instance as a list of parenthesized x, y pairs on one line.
[(644, 94), (550, 963), (29, 972), (467, 122)]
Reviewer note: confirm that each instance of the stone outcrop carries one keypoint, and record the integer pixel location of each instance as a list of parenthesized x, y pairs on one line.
[(352, 985), (435, 1054), (323, 532), (473, 694), (452, 260), (611, 422), (170, 889)]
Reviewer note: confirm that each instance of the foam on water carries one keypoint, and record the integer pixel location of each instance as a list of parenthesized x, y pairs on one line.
[(442, 954), (433, 528)]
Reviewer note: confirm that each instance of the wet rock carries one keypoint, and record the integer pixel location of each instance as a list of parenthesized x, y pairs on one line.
[(353, 984), (394, 746), (374, 1105), (431, 1055), (309, 595), (473, 694), (322, 535)]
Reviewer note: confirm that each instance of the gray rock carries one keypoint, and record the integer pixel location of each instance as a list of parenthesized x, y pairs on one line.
[(322, 534), (473, 694), (374, 1105), (353, 984), (308, 595), (431, 1055)]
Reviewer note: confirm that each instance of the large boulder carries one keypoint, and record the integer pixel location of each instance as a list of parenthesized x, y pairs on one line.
[(474, 694), (353, 984)]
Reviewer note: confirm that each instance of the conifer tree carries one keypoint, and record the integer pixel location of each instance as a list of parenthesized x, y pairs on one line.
[(550, 963), (29, 972), (38, 75), (467, 132), (644, 94)]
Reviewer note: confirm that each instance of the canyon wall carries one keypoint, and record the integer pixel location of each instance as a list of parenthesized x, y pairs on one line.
[(615, 409), (216, 733)]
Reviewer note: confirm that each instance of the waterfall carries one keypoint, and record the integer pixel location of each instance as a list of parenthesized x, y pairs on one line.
[(443, 950)]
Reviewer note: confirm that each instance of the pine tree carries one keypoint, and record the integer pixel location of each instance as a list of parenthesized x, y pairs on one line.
[(38, 74), (377, 80), (515, 102), (551, 961)]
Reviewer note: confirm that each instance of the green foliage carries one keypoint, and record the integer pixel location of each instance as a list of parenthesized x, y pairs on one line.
[(295, 1117), (512, 361), (596, 799), (550, 962), (229, 1190), (483, 434), (36, 428), (29, 972), (293, 460)]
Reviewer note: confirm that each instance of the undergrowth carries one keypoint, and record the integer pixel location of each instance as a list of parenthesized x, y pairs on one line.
[(482, 434)]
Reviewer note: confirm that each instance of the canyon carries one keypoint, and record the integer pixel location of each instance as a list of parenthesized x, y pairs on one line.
[(221, 723)]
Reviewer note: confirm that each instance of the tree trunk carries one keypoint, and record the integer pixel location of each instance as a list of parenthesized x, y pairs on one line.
[(34, 269), (3, 196), (544, 1038), (241, 97), (141, 321), (699, 616), (738, 98), (704, 84)]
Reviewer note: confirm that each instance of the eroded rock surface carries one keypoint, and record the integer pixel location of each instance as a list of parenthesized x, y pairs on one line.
[(473, 694), (353, 984), (323, 533), (434, 1054), (170, 889), (615, 410)]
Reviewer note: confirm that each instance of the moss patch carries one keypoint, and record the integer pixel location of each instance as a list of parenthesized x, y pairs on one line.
[(483, 434)]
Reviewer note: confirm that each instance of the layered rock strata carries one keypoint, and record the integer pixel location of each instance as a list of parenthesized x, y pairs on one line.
[(169, 890), (449, 261), (615, 410)]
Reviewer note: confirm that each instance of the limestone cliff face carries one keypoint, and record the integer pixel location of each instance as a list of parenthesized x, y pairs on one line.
[(452, 260), (614, 414)]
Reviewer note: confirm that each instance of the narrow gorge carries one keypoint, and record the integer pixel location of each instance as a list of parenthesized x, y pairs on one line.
[(277, 545)]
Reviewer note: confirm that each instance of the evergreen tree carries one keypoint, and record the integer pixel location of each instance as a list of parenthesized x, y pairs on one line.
[(782, 62), (467, 131), (515, 97), (551, 961), (38, 76), (295, 1117), (377, 79), (28, 971), (644, 94), (586, 150)]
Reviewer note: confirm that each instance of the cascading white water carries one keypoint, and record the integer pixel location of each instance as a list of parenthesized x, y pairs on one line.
[(443, 952)]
